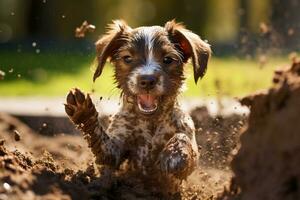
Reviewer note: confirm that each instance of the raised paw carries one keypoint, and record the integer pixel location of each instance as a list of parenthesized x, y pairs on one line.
[(178, 157), (79, 107)]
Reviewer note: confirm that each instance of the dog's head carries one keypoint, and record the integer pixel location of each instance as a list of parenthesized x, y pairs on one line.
[(149, 60)]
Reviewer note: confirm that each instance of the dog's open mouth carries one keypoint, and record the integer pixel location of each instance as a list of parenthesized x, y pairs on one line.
[(147, 103)]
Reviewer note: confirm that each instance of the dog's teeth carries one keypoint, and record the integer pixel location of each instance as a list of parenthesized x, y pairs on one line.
[(146, 111)]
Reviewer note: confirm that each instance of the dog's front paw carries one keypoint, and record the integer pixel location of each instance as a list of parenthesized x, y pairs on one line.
[(178, 157), (79, 107)]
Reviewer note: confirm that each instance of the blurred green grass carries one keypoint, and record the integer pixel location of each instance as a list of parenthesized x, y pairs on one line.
[(53, 74)]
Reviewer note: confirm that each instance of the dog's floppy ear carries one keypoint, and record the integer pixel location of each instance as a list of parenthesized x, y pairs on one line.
[(108, 44), (191, 46)]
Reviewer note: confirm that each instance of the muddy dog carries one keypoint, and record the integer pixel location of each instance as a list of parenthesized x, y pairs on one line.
[(150, 131)]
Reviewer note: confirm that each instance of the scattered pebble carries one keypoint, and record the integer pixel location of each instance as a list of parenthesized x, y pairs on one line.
[(291, 32), (234, 151), (6, 186), (81, 125), (293, 56), (200, 129), (2, 74), (2, 141), (262, 60), (34, 44), (17, 135), (241, 123), (264, 28)]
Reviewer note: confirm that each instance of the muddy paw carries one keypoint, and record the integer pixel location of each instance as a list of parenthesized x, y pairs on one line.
[(177, 158), (173, 162), (79, 107)]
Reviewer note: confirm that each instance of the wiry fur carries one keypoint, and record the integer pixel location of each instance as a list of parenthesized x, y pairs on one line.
[(161, 147)]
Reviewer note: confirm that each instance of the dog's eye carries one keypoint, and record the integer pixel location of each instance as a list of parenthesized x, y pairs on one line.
[(127, 59), (168, 60)]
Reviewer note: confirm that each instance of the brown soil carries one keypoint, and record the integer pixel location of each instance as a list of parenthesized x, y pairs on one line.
[(267, 165), (35, 166), (217, 136)]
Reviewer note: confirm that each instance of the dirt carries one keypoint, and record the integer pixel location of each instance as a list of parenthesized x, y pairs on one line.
[(267, 166), (2, 75), (217, 136), (85, 27), (255, 157), (36, 166)]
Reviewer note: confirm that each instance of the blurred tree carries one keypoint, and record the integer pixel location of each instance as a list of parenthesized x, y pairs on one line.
[(192, 12), (223, 23), (54, 18), (13, 15), (285, 19), (252, 14)]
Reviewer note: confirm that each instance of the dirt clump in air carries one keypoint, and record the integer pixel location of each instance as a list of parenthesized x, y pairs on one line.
[(80, 32)]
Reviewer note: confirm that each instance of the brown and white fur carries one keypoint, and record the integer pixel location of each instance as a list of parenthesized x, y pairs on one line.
[(150, 130)]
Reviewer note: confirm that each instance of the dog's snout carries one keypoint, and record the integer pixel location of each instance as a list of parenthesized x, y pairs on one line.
[(147, 82)]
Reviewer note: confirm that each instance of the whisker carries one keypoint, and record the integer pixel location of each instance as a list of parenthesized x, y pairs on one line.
[(113, 92)]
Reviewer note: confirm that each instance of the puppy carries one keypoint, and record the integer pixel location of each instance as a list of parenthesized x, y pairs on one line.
[(150, 130)]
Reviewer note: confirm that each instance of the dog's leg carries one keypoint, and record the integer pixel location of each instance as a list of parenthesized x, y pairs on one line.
[(179, 157), (83, 114)]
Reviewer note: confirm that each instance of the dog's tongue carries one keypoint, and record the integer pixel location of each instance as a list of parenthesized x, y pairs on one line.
[(147, 101)]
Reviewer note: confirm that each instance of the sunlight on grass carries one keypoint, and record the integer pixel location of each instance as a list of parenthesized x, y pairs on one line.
[(225, 76), (233, 77)]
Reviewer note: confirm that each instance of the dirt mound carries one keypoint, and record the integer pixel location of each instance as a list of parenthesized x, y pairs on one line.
[(267, 165), (34, 166)]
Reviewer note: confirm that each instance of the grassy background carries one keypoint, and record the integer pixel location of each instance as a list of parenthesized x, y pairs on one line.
[(48, 74)]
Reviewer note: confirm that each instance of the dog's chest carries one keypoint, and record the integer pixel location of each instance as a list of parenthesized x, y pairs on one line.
[(149, 140), (152, 138), (145, 138)]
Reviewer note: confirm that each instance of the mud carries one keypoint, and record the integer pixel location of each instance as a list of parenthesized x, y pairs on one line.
[(267, 164), (217, 136), (262, 151), (36, 166), (85, 27)]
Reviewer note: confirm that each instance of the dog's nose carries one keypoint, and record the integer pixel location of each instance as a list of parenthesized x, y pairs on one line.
[(147, 82)]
